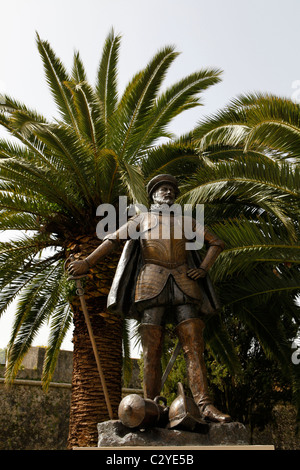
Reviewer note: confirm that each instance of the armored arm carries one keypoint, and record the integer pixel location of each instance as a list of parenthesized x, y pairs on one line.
[(79, 267), (214, 247), (109, 244)]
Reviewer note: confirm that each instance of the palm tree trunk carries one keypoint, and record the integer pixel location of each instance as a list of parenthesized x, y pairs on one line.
[(88, 405)]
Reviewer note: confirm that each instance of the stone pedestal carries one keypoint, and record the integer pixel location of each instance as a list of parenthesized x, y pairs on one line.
[(114, 434)]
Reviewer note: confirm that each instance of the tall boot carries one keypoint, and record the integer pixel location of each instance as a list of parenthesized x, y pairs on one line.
[(190, 335), (152, 341)]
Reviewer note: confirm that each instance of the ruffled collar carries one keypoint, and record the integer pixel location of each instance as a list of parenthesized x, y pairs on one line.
[(164, 208)]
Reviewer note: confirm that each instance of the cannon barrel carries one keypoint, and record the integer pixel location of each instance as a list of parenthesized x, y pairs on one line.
[(137, 412)]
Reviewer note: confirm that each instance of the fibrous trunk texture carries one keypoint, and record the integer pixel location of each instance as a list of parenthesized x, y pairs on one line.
[(88, 404)]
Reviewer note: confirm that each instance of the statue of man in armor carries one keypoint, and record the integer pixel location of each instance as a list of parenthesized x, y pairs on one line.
[(159, 282)]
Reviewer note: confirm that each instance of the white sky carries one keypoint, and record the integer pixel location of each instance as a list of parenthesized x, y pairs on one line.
[(255, 43)]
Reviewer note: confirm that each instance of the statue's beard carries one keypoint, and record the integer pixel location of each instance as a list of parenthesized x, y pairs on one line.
[(163, 200)]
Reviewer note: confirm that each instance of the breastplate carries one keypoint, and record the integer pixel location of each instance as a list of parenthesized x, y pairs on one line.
[(163, 243)]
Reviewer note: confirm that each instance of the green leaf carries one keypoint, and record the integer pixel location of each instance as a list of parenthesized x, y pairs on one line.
[(106, 85), (56, 77)]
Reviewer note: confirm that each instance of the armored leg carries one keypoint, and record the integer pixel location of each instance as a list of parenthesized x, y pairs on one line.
[(190, 334), (152, 341)]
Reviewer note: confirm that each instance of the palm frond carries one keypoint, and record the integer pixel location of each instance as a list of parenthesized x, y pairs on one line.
[(249, 243), (60, 323), (106, 85), (262, 183), (262, 284), (29, 180), (276, 135), (175, 158), (134, 181), (19, 255), (26, 204), (36, 303), (15, 221), (72, 154), (56, 77), (108, 166), (86, 103), (17, 280), (176, 99), (139, 97), (254, 121)]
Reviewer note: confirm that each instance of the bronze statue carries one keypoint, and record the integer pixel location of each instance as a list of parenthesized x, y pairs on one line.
[(159, 281)]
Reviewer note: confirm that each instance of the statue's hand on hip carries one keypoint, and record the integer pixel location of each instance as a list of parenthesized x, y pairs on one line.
[(196, 273)]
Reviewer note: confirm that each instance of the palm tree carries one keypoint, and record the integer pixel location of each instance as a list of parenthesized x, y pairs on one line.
[(54, 175), (249, 181)]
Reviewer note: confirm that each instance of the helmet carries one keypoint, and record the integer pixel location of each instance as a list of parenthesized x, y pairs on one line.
[(184, 413), (161, 179)]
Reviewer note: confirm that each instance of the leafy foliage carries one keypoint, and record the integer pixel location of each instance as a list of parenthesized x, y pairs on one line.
[(242, 163), (252, 196), (53, 179)]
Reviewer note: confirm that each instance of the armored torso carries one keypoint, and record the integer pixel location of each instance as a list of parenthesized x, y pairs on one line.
[(162, 241), (164, 254)]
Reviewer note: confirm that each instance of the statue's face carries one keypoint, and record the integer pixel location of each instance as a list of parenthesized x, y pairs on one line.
[(164, 194)]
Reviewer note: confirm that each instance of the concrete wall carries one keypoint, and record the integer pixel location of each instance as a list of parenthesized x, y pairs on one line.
[(31, 419)]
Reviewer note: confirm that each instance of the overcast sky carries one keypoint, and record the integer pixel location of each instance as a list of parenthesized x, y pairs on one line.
[(255, 43)]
